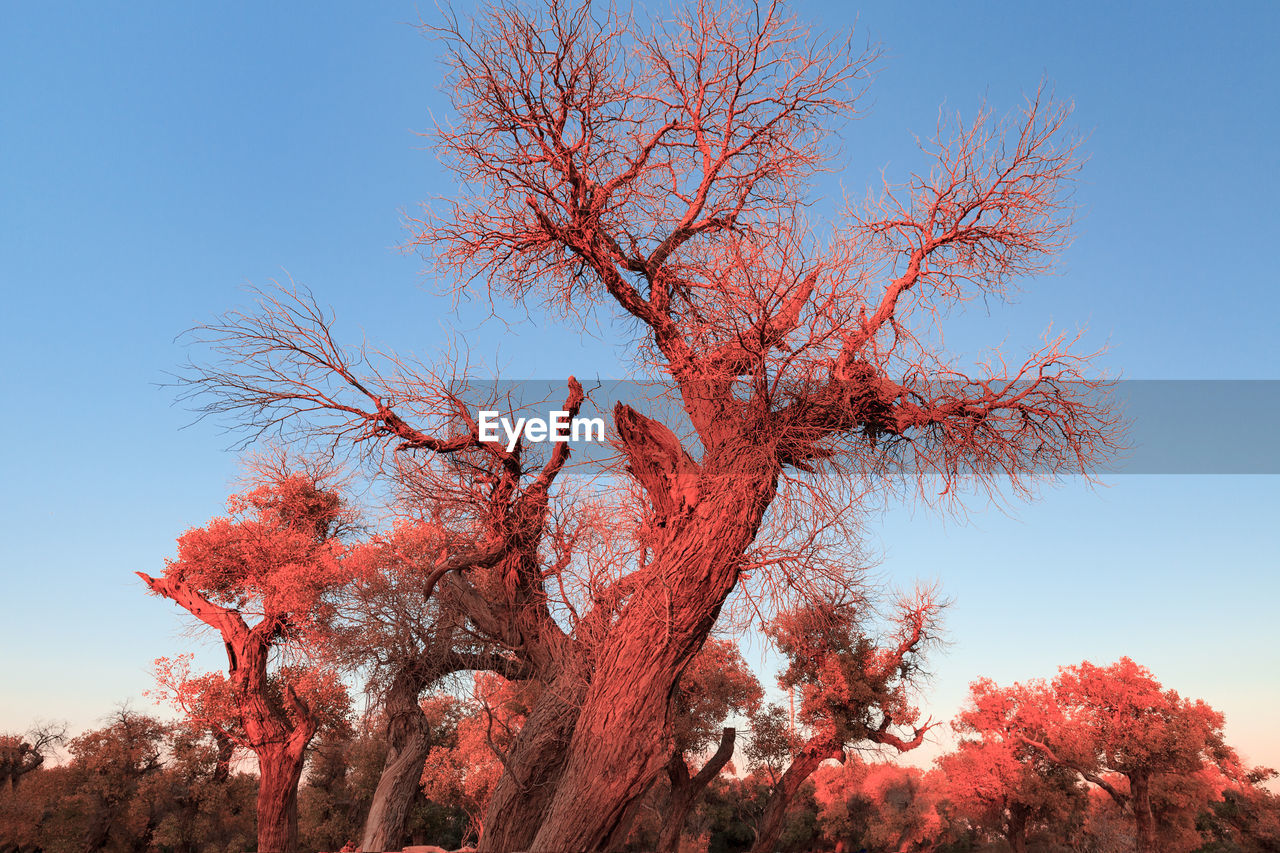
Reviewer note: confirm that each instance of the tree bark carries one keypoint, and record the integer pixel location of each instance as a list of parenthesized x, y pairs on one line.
[(1140, 788), (623, 736), (816, 751), (408, 743), (533, 768), (279, 771), (685, 791)]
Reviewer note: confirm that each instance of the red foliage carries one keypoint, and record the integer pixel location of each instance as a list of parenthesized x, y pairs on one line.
[(878, 805), (275, 559), (853, 690), (1115, 726), (466, 772)]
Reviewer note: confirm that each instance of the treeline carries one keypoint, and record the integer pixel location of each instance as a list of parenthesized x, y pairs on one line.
[(309, 599), (137, 784)]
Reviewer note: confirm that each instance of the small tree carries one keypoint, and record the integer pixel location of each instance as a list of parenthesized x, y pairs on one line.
[(465, 772), (260, 577), (210, 807), (21, 754), (877, 806), (110, 766), (853, 690), (717, 684)]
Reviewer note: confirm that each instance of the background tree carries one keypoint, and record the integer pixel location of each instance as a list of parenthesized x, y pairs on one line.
[(276, 558), (404, 639), (21, 754), (466, 771), (663, 173), (1248, 815), (717, 685), (1118, 719), (207, 805), (852, 690), (110, 765), (1115, 726), (129, 785), (878, 806), (998, 782)]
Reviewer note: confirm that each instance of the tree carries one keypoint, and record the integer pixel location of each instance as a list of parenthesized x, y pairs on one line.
[(1115, 726), (664, 174), (1118, 719), (717, 684), (275, 558), (999, 783), (465, 772), (405, 641), (852, 690), (1248, 814), (131, 784), (111, 764), (206, 806), (877, 806), (21, 754)]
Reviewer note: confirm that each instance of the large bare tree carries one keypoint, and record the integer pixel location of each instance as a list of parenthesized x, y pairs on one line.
[(661, 174)]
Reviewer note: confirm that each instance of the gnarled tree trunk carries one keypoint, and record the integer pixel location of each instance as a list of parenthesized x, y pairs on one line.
[(408, 743), (1017, 828), (280, 770), (686, 790), (666, 621), (816, 751), (534, 766)]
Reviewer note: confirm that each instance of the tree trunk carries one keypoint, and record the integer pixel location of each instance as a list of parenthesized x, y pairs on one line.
[(98, 834), (408, 743), (533, 768), (1140, 787), (816, 751), (226, 749), (1017, 828), (615, 754), (685, 791), (279, 771), (623, 736), (142, 841)]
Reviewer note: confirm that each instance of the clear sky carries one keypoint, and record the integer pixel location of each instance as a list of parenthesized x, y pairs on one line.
[(157, 157)]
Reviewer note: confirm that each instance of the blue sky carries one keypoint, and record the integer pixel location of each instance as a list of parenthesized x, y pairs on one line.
[(159, 157)]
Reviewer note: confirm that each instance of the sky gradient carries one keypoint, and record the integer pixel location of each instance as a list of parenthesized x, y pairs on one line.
[(160, 157)]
